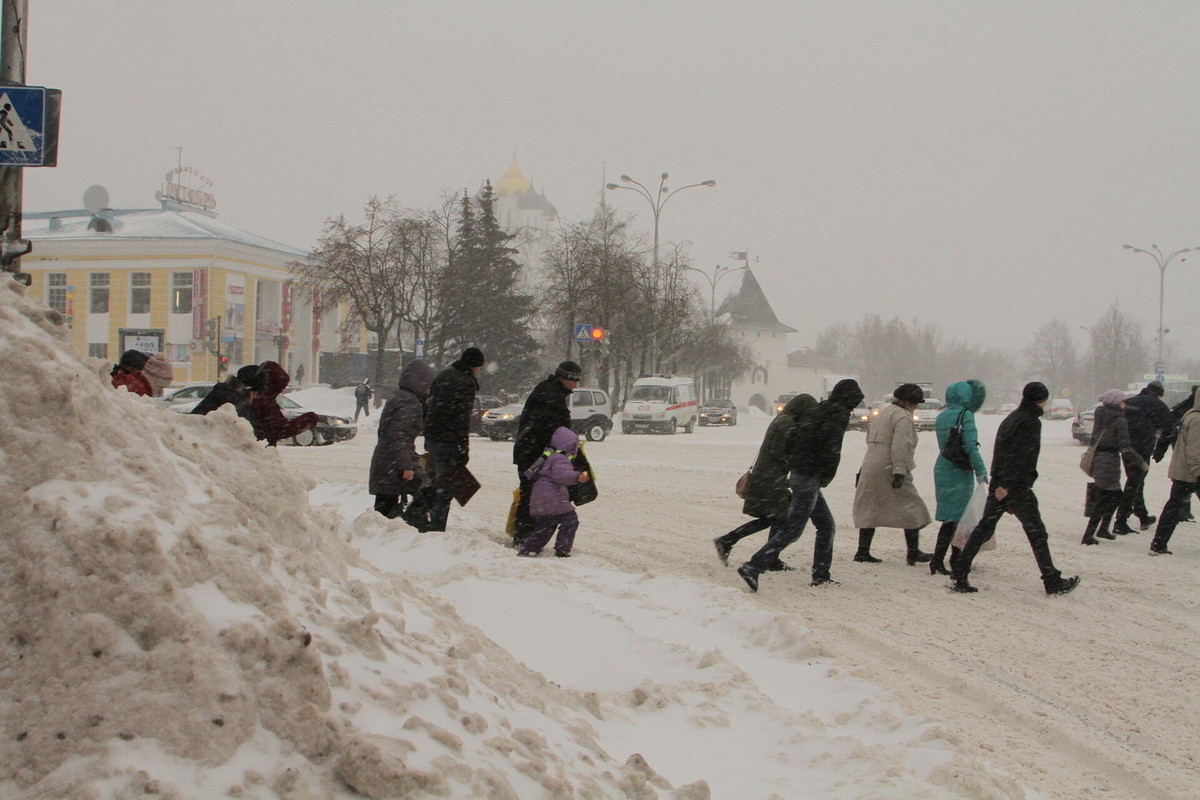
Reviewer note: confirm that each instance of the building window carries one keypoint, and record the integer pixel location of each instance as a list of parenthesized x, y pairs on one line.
[(178, 353), (99, 293), (181, 292), (98, 350), (139, 293), (56, 291)]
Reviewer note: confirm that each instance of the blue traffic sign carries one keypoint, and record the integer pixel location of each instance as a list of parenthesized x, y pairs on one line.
[(23, 126), (583, 333)]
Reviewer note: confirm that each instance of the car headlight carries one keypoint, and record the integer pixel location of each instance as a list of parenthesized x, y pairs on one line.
[(337, 421)]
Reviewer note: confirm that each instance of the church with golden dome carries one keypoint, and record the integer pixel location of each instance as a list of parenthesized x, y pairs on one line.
[(519, 206)]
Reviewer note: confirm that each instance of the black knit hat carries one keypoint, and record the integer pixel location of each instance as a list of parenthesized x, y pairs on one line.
[(133, 359), (472, 357), (569, 370), (909, 393), (252, 376), (1034, 392)]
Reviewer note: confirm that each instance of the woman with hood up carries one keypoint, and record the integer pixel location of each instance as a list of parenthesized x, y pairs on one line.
[(1110, 440), (272, 424), (952, 483), (395, 466), (767, 494)]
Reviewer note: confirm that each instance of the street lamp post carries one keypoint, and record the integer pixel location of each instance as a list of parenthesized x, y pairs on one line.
[(656, 200), (1162, 262), (719, 272)]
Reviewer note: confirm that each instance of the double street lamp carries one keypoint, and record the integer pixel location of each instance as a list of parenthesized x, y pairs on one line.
[(1162, 262), (718, 272), (656, 200)]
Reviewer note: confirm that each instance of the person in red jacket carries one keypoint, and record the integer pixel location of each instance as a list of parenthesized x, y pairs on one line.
[(272, 424), (128, 373)]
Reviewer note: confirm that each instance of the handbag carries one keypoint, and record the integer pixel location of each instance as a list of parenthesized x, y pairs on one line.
[(742, 485), (954, 451), (1089, 455)]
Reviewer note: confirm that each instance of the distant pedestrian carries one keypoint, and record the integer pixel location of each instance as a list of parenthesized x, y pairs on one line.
[(954, 484), (1014, 471), (1151, 430), (813, 456), (448, 426), (397, 480), (546, 410), (550, 499), (1184, 472), (300, 374), (128, 373), (1112, 446), (767, 495), (273, 424), (884, 494), (362, 398), (159, 373), (237, 390)]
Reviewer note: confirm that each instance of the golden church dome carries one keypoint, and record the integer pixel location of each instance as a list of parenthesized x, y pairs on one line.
[(513, 183)]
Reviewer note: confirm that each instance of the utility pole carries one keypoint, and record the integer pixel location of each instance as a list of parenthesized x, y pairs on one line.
[(12, 73)]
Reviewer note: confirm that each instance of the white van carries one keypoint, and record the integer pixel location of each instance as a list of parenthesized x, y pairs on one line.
[(660, 403)]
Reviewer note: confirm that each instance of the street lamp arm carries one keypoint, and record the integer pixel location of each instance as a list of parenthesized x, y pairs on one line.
[(681, 188)]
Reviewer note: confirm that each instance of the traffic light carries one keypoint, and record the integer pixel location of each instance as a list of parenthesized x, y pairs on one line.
[(599, 334), (222, 363), (212, 331)]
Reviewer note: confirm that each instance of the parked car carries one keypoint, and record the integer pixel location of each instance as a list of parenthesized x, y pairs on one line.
[(720, 411), (330, 427), (1060, 408), (188, 393), (483, 403), (1081, 426), (861, 417), (590, 416), (925, 416), (783, 400)]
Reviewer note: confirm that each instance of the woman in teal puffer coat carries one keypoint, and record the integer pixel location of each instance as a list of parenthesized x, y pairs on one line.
[(953, 484)]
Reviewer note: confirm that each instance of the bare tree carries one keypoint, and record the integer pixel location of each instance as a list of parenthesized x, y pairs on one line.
[(1051, 356), (1119, 354)]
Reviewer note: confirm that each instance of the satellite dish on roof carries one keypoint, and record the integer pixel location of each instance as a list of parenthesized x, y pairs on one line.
[(95, 197)]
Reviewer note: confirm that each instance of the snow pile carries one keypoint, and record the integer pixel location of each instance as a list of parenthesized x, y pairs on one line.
[(178, 621)]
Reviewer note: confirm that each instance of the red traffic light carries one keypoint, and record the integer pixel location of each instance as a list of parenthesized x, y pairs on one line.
[(597, 333)]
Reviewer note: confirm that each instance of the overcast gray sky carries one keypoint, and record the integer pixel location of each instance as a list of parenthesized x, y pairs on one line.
[(976, 165)]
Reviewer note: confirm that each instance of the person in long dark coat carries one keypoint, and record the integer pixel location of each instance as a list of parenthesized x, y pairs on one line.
[(1110, 438), (1151, 430), (546, 410), (271, 423), (767, 494), (236, 390), (395, 465), (814, 454), (1014, 471), (448, 425)]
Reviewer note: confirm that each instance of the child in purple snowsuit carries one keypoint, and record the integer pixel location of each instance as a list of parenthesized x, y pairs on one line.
[(549, 501)]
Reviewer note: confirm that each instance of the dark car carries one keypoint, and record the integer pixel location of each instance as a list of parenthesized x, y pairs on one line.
[(590, 416), (720, 411), (861, 417), (330, 427), (483, 404)]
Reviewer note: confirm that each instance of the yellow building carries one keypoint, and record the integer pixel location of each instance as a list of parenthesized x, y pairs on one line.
[(165, 278)]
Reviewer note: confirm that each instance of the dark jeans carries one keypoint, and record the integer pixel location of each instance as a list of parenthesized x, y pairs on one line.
[(1133, 502), (1181, 493), (544, 527), (752, 527), (444, 456), (807, 503), (362, 406), (1023, 504)]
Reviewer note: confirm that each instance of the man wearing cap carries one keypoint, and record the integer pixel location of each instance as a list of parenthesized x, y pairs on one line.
[(1151, 430), (1014, 470), (448, 425), (546, 410)]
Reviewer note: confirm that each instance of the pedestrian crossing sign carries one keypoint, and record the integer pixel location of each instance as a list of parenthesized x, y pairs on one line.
[(25, 140)]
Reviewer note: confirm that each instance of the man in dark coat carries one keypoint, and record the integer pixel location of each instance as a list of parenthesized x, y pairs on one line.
[(1151, 430), (235, 390), (362, 398), (448, 425), (1014, 471), (814, 456), (395, 467), (546, 409), (767, 496)]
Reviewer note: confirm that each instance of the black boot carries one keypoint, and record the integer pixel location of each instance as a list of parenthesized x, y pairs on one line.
[(945, 533), (915, 556), (865, 535), (1089, 533)]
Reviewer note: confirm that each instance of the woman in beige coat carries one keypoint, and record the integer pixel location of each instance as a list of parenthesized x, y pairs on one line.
[(885, 496)]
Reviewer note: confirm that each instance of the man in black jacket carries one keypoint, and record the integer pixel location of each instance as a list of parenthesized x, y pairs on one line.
[(546, 410), (1151, 430), (448, 426), (1014, 471), (815, 452)]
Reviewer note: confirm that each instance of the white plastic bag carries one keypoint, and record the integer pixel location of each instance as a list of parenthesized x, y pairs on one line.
[(970, 518)]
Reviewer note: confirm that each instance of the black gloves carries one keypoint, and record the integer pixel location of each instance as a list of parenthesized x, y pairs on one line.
[(897, 481), (1158, 455)]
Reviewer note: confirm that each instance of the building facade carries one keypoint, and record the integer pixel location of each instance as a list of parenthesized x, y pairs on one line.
[(175, 279)]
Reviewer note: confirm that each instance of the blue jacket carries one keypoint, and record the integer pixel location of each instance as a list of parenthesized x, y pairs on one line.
[(953, 485)]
